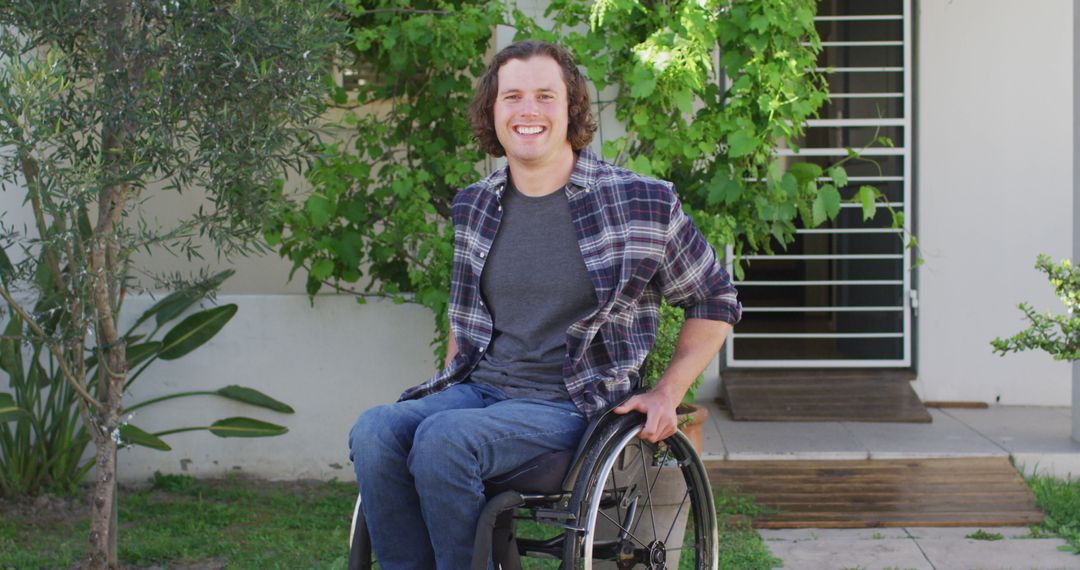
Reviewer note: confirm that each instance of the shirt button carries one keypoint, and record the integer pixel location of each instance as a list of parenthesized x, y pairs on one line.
[(482, 255)]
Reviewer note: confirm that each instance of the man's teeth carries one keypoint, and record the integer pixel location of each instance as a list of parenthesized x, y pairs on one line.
[(529, 130)]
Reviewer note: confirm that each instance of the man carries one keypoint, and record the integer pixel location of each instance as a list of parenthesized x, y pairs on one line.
[(560, 261)]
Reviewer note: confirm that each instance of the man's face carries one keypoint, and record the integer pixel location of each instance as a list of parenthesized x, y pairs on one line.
[(531, 110)]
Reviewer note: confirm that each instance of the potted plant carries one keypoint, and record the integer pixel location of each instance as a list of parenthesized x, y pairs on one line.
[(691, 416)]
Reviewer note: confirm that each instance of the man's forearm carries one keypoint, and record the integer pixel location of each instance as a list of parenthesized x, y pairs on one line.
[(699, 341), (451, 348)]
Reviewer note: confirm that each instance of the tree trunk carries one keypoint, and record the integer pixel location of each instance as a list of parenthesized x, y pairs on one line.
[(103, 507)]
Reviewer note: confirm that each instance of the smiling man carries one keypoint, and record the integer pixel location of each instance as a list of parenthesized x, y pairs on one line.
[(560, 262)]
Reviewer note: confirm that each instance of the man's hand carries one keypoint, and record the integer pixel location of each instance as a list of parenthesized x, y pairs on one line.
[(660, 420)]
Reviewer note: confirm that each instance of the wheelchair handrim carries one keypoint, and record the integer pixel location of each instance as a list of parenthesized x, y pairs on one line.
[(598, 493)]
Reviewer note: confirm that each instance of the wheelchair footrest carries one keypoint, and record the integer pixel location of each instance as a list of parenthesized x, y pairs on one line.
[(557, 517)]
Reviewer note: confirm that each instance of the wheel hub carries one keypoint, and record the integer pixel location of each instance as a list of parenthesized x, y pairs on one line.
[(657, 554)]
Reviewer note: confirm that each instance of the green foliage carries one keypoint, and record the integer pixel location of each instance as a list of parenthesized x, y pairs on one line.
[(1058, 335), (42, 441), (382, 198), (983, 535), (103, 104), (667, 340), (1060, 500), (378, 220)]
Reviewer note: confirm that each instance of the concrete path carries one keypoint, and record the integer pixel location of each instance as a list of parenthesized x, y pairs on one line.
[(917, 549)]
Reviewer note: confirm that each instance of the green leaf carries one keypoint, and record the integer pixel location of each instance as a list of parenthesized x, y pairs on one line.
[(805, 172), (136, 436), (255, 398), (839, 176), (194, 331), (246, 427), (321, 269), (319, 209), (10, 355), (642, 82), (8, 410), (684, 101), (826, 204), (7, 270), (138, 353), (741, 143), (868, 197), (191, 295), (790, 184), (175, 303)]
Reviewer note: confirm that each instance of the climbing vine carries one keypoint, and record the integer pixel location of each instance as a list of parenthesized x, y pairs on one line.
[(705, 90)]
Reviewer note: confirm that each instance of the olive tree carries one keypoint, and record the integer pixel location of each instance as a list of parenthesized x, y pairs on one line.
[(102, 104)]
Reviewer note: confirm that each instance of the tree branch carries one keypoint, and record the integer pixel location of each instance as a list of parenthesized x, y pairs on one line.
[(75, 384)]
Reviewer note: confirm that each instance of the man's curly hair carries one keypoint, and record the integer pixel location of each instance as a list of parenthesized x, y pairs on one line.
[(581, 125)]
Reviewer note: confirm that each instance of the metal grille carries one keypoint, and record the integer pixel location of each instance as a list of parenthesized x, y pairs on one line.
[(840, 295)]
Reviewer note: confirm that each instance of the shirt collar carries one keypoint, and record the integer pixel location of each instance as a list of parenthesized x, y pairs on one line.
[(582, 178)]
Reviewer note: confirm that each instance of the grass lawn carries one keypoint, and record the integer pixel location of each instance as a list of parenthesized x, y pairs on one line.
[(181, 522)]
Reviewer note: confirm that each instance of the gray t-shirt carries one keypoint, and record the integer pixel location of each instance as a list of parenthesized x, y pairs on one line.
[(535, 286)]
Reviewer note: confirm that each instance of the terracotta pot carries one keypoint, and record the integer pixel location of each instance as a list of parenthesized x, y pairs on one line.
[(691, 421)]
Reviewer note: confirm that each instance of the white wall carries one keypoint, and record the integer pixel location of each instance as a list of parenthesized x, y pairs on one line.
[(993, 190), (329, 362)]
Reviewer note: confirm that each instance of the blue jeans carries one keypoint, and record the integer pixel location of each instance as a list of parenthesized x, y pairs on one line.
[(420, 465)]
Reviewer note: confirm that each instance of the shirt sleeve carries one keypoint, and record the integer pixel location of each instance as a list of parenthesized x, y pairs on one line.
[(691, 276)]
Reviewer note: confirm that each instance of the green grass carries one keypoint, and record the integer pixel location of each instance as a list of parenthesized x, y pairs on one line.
[(983, 535), (243, 524), (238, 523), (1060, 500)]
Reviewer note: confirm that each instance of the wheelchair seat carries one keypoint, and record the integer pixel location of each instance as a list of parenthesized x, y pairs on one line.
[(542, 475), (598, 504)]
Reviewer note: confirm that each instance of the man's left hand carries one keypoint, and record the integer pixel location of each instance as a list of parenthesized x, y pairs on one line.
[(660, 420)]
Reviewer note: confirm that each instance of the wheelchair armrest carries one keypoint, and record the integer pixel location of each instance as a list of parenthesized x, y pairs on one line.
[(597, 430)]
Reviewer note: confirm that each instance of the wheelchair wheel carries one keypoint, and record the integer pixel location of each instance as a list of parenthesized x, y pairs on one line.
[(360, 555), (642, 505)]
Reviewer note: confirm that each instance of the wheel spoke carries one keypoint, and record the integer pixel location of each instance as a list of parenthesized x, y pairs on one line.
[(622, 528), (648, 487), (677, 513)]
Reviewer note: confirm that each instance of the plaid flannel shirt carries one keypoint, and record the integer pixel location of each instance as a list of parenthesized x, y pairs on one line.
[(638, 245)]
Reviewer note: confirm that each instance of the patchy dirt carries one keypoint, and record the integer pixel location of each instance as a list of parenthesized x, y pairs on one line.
[(46, 510)]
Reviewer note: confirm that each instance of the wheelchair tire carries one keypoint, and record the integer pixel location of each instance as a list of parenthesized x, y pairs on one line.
[(626, 486), (360, 556)]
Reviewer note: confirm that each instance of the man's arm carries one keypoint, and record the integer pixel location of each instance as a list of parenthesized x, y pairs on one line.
[(451, 347), (699, 341)]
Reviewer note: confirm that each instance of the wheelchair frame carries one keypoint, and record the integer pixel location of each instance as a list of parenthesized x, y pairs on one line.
[(578, 508)]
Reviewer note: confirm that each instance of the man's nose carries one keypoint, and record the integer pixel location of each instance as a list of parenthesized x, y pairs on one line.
[(530, 107)]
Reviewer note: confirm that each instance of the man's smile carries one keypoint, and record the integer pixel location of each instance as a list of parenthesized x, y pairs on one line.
[(521, 130)]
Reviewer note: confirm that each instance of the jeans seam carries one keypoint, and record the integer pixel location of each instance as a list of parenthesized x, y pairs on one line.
[(528, 434)]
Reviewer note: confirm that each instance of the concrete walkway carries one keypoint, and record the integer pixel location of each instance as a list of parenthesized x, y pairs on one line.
[(1037, 438)]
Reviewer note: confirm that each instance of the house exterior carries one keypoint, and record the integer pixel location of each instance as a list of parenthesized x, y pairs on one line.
[(981, 100)]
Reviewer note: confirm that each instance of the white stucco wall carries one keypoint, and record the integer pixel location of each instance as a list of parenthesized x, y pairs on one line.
[(993, 190), (329, 362)]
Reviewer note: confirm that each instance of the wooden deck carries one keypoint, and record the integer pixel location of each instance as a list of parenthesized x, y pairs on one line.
[(851, 396), (983, 491)]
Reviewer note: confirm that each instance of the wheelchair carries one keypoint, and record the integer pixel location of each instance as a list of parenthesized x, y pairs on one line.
[(616, 501)]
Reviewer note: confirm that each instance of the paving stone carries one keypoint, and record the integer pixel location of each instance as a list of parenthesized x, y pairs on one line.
[(794, 440), (840, 553), (1022, 429), (826, 534), (1008, 554), (944, 437)]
